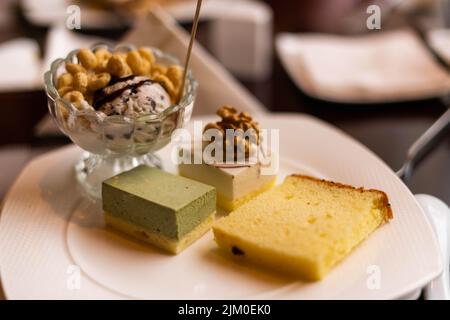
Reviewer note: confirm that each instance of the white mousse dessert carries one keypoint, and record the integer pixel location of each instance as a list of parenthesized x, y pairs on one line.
[(235, 186), (235, 183)]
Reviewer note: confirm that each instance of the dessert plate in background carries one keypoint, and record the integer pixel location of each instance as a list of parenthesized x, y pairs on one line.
[(45, 13), (53, 243), (391, 66)]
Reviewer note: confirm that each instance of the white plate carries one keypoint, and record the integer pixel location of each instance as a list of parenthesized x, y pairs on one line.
[(47, 228), (376, 68)]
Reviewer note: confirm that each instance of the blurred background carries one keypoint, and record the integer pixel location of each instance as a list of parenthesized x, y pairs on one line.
[(241, 37)]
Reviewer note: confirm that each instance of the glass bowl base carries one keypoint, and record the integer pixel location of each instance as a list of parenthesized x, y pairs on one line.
[(92, 169)]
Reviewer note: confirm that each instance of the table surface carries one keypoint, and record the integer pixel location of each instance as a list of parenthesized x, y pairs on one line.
[(387, 129)]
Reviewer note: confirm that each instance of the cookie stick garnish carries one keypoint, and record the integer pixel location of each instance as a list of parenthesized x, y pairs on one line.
[(191, 44)]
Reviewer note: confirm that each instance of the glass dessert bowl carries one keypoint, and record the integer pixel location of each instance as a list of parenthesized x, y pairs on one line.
[(122, 124)]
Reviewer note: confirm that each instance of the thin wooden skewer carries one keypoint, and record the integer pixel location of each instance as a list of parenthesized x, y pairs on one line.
[(191, 44)]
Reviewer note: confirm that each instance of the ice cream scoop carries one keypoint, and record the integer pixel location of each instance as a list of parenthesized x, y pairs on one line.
[(132, 96)]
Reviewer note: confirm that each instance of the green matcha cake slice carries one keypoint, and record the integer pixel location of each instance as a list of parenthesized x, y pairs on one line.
[(160, 208)]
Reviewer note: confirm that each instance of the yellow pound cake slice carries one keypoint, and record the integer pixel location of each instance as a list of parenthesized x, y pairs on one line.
[(304, 226)]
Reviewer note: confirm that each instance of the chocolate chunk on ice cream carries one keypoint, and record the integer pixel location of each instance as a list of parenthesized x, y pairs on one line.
[(132, 96)]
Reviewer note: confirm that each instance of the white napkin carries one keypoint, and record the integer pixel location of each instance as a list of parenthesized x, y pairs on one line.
[(20, 65), (440, 41), (44, 12), (383, 67)]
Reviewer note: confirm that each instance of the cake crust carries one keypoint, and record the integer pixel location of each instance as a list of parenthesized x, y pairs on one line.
[(384, 197)]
